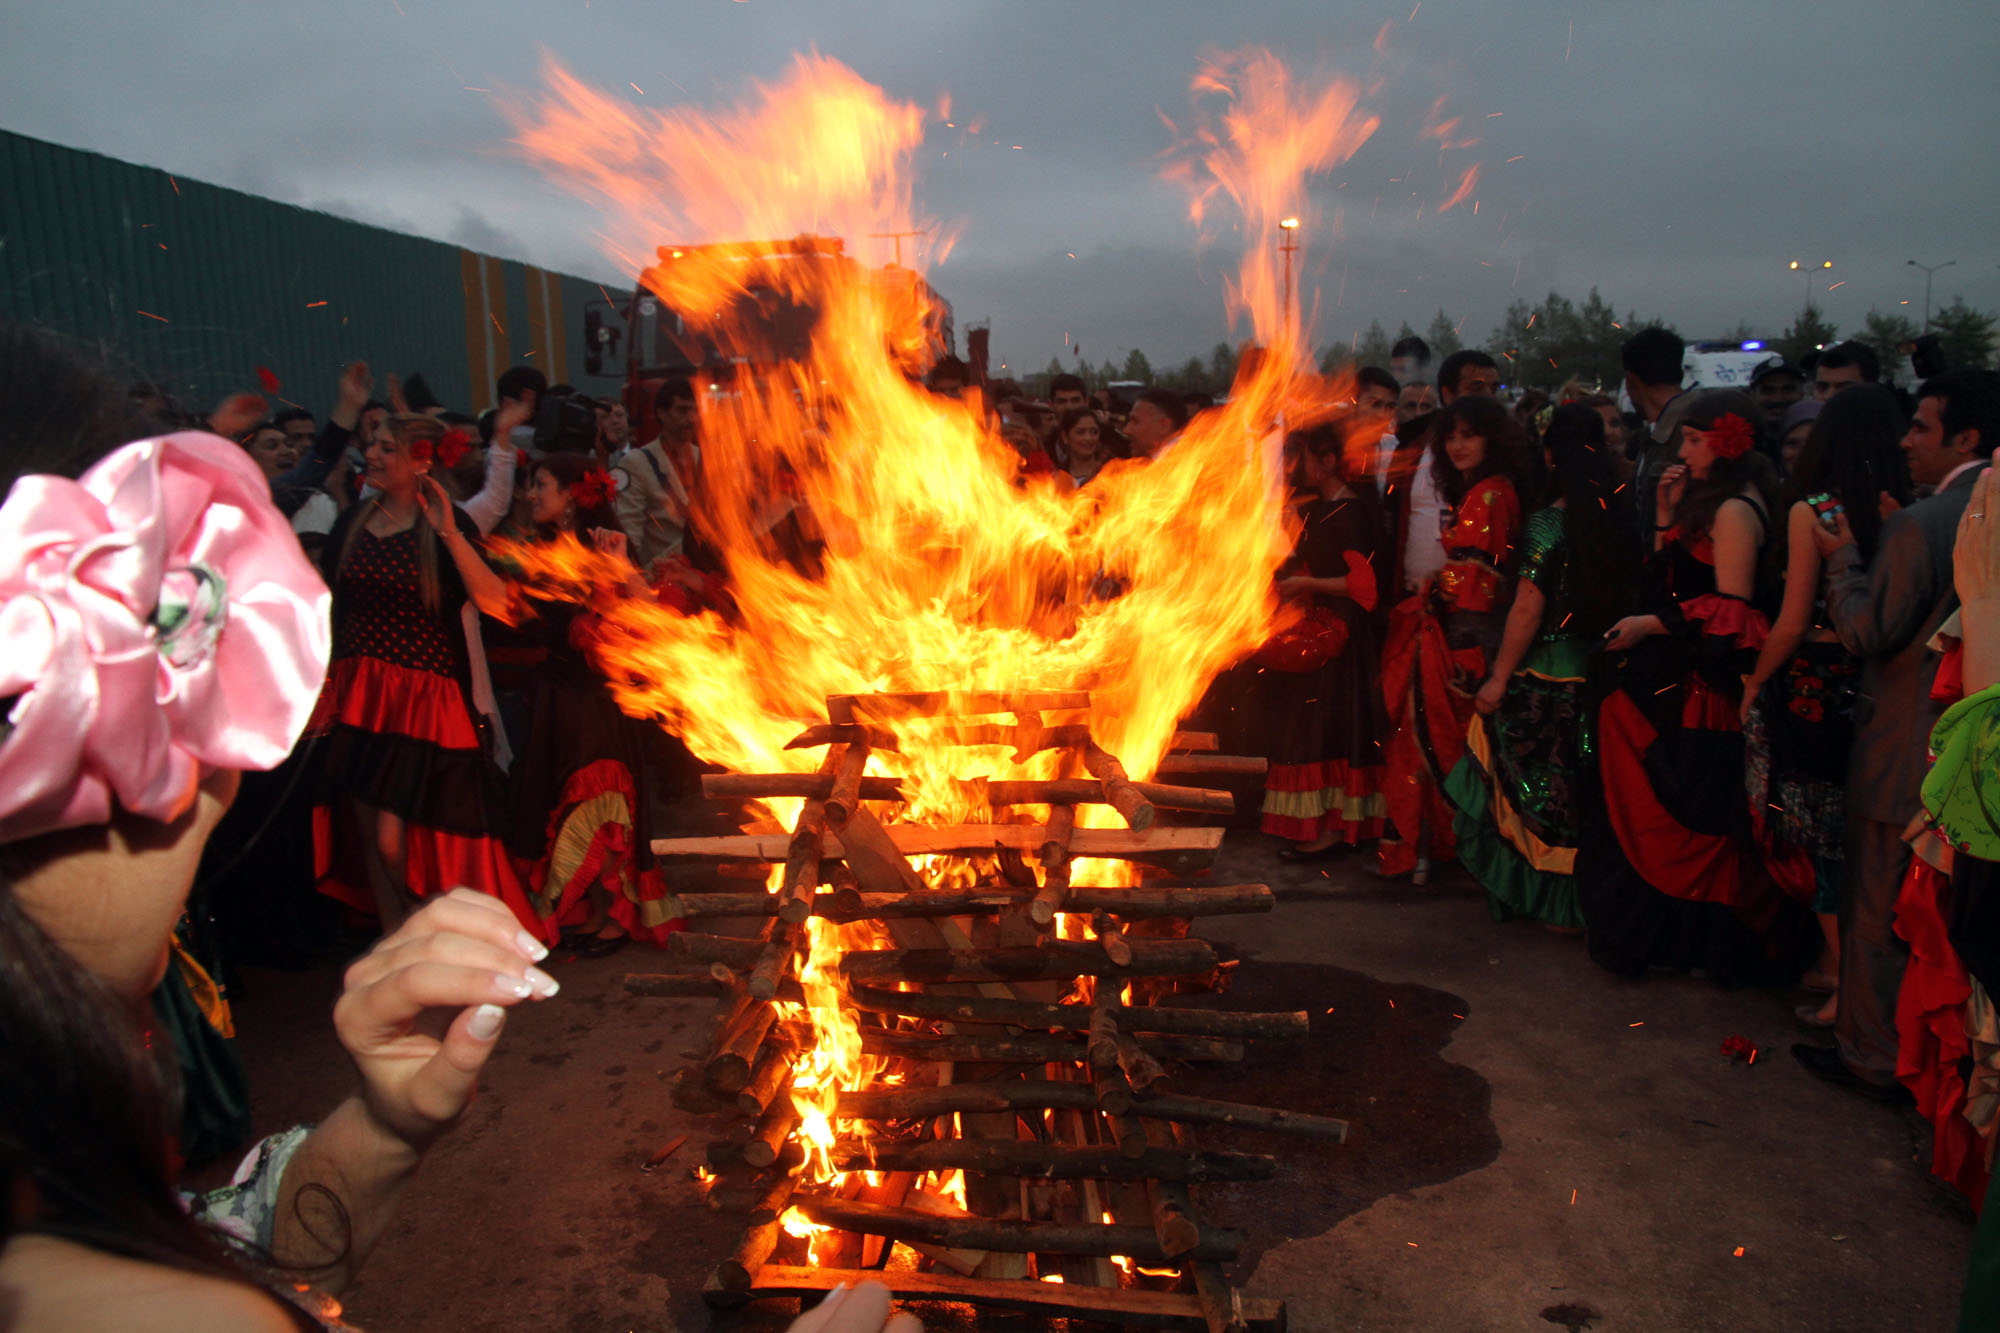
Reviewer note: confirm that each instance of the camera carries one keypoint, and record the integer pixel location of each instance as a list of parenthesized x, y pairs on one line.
[(565, 422)]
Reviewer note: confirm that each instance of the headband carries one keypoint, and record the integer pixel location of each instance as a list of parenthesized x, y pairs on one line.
[(157, 617)]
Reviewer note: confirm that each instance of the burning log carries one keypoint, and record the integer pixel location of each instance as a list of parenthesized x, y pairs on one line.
[(1036, 1049), (845, 797), (1052, 1161), (770, 1079), (803, 852), (1009, 1236), (738, 1272), (780, 1118), (1052, 960), (723, 1154), (1037, 1095), (1067, 735), (844, 733), (814, 786), (728, 1070), (1118, 788), (1112, 937), (1130, 1307), (1213, 763), (851, 904), (1176, 849), (1078, 1017), (1054, 856), (1083, 791), (781, 948), (1141, 1070)]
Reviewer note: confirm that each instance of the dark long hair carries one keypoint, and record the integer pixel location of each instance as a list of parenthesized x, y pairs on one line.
[(1507, 451), (1349, 441), (1729, 476), (568, 469), (1854, 454), (1602, 575), (86, 1109)]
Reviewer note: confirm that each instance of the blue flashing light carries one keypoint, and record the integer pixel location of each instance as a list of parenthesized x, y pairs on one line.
[(1753, 346)]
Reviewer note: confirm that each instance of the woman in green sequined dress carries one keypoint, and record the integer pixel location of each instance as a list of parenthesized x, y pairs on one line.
[(1528, 749)]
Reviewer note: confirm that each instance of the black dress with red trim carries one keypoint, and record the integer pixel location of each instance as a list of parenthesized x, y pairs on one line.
[(1670, 797), (579, 799), (394, 729), (1326, 773)]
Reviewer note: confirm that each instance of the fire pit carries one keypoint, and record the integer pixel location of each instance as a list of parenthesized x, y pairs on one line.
[(945, 1062)]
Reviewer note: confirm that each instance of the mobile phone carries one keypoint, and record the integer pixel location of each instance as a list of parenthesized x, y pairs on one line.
[(1826, 507)]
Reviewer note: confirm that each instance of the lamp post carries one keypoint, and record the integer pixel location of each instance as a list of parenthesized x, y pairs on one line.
[(1806, 271), (1929, 269), (1288, 246)]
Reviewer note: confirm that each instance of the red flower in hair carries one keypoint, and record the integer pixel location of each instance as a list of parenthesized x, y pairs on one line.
[(268, 378), (453, 446), (423, 451), (1730, 436), (593, 489)]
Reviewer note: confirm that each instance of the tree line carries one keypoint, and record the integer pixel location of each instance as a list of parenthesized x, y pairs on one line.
[(1548, 344)]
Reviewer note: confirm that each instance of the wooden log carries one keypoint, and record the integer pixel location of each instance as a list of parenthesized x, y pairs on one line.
[(1054, 856), (1213, 764), (1176, 1232), (846, 796), (1008, 1236), (1194, 740), (851, 904), (1087, 791), (1116, 947), (953, 703), (770, 1079), (1052, 960), (1220, 1310), (1118, 788), (739, 955), (725, 1153), (712, 979), (1176, 849), (780, 1118), (845, 733), (1102, 1049), (1033, 1049), (1030, 735), (728, 1070), (1141, 1069), (1124, 1307), (1051, 1161), (1127, 1131), (806, 847), (816, 786), (775, 963), (739, 1270), (1036, 1094)]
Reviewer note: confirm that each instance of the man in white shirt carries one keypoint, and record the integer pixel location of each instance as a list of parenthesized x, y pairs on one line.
[(1414, 501), (656, 480)]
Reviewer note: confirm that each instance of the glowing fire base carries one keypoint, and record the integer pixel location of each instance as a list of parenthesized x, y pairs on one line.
[(1015, 1141)]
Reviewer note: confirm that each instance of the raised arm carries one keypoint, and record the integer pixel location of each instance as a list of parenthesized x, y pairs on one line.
[(487, 508), (486, 588)]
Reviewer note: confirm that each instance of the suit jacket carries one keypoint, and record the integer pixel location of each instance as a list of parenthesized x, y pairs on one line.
[(1885, 614)]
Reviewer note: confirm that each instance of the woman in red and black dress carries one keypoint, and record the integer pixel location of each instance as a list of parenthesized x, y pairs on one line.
[(408, 797), (1324, 788), (1443, 638), (578, 827), (1668, 874)]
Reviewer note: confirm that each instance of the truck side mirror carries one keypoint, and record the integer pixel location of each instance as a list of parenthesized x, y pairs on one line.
[(593, 342)]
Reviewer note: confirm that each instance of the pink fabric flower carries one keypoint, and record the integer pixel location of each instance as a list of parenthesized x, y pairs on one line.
[(157, 618)]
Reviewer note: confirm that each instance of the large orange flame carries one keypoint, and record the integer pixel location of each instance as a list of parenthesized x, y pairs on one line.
[(942, 568)]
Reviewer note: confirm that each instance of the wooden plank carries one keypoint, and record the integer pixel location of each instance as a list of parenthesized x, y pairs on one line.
[(1127, 1307), (1196, 847)]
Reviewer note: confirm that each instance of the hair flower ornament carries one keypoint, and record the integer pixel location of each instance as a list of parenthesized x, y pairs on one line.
[(454, 446), (593, 489), (157, 618), (1730, 436)]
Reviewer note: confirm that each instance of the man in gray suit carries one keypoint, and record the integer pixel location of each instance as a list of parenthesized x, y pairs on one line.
[(1885, 614)]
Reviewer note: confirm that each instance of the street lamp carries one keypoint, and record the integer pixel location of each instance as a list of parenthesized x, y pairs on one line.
[(1929, 269), (1288, 246), (1806, 271)]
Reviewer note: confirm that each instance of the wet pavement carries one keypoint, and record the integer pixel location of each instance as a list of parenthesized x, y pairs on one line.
[(1534, 1144)]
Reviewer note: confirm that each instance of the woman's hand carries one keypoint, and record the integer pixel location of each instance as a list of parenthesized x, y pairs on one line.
[(356, 385), (465, 958), (1752, 687), (1828, 540), (512, 415), (237, 413), (611, 542), (860, 1309), (435, 504), (1489, 696), (1667, 499), (1631, 630)]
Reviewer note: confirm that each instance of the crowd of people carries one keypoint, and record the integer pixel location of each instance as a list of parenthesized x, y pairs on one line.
[(1668, 682), (1710, 682)]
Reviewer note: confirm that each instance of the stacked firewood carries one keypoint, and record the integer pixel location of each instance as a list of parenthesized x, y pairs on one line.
[(1035, 1063)]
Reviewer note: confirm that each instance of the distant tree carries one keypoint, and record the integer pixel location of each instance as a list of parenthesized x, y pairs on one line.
[(1373, 348), (1743, 332), (1103, 375), (1137, 367), (1886, 334), (1809, 332), (1039, 384), (1221, 369), (1443, 337), (1192, 377), (1966, 336)]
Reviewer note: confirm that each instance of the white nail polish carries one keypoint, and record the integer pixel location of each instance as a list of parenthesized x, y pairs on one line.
[(517, 987), (485, 1022), (834, 1298), (544, 984), (530, 946)]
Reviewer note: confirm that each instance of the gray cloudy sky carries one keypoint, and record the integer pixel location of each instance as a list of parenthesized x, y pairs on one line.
[(1674, 153)]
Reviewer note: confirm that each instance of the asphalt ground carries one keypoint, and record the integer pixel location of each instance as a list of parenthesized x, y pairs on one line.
[(1534, 1144)]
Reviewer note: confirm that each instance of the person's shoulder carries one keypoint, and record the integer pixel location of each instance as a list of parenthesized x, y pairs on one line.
[(51, 1284)]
